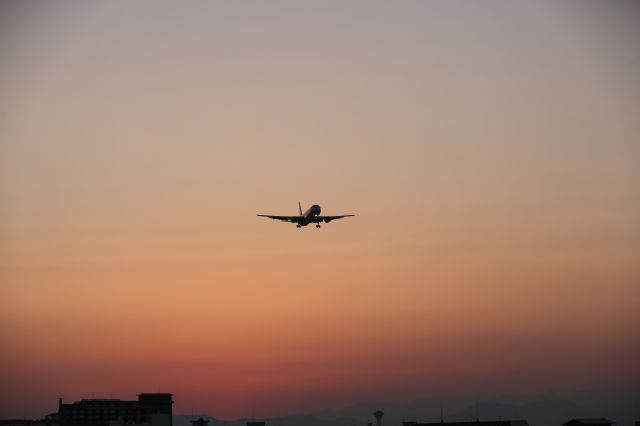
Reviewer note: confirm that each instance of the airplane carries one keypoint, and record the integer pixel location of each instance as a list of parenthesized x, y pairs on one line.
[(310, 216)]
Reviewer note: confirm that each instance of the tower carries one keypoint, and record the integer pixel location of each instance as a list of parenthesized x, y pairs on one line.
[(378, 415)]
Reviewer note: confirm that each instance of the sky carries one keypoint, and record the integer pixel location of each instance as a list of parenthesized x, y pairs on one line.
[(489, 151)]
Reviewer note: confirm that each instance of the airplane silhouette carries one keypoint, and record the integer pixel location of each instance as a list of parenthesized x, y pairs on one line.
[(310, 216)]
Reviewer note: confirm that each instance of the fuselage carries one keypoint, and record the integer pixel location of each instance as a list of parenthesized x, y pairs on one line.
[(309, 216)]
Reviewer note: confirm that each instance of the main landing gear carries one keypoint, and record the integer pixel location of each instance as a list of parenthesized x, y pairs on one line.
[(317, 225), (298, 226)]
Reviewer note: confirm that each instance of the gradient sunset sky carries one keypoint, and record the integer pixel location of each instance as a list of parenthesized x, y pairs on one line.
[(490, 150)]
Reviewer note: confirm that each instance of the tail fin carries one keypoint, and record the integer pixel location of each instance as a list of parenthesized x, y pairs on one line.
[(300, 208)]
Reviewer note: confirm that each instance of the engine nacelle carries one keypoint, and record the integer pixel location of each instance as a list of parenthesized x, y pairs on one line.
[(327, 220)]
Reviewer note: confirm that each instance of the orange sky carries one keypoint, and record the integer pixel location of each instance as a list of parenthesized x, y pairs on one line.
[(489, 151)]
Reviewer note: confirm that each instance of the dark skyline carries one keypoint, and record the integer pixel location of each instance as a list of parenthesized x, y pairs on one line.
[(156, 409)]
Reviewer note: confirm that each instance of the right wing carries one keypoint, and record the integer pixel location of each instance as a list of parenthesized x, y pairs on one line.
[(328, 219), (292, 219)]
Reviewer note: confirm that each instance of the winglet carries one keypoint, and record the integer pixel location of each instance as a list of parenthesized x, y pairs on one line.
[(300, 208)]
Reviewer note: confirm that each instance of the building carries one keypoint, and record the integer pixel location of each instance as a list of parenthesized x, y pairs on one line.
[(151, 409), (589, 422)]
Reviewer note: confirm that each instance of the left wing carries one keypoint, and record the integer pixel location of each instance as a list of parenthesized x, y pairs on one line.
[(327, 219), (283, 218)]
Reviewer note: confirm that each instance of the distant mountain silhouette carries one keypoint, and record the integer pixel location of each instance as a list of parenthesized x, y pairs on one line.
[(301, 420), (539, 413), (548, 412)]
